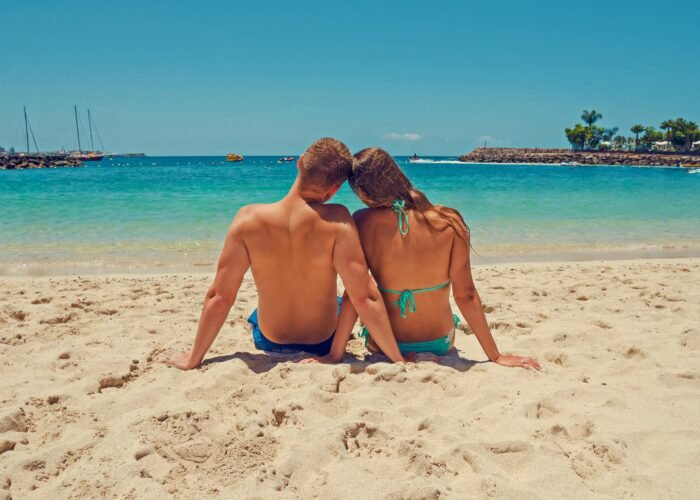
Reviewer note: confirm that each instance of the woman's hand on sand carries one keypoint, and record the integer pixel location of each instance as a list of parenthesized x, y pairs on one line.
[(180, 360), (517, 362)]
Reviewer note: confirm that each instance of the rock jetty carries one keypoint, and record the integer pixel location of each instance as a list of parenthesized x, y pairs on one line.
[(555, 156), (16, 161)]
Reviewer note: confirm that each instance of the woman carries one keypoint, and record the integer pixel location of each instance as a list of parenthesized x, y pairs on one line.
[(416, 251)]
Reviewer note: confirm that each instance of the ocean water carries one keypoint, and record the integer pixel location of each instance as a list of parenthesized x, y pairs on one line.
[(171, 213)]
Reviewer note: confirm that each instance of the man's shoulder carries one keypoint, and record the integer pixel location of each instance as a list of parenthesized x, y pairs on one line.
[(247, 212), (334, 212), (248, 216)]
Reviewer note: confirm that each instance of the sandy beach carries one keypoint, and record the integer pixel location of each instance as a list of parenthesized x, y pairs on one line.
[(86, 409)]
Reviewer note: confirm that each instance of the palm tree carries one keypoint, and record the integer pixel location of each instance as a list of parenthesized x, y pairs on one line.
[(590, 117), (609, 133), (667, 125), (636, 130)]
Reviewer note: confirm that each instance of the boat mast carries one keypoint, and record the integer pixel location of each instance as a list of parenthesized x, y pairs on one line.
[(26, 128), (77, 130), (92, 145)]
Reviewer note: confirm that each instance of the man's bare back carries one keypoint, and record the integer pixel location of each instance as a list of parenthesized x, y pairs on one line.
[(290, 246)]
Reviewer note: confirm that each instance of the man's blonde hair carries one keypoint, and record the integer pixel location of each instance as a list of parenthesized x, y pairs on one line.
[(327, 162)]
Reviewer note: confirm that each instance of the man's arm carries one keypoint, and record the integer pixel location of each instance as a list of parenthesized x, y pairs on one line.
[(349, 261), (233, 264), (469, 303)]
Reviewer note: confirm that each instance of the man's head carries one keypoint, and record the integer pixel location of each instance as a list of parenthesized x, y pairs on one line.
[(323, 167)]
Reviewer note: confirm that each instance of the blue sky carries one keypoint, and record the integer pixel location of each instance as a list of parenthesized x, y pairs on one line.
[(269, 77)]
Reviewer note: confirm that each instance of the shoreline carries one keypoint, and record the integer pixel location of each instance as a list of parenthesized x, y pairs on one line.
[(85, 269)]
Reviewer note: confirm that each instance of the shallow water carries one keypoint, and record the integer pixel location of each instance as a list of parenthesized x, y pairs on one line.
[(171, 213)]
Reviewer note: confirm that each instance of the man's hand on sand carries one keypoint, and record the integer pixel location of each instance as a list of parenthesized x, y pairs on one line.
[(180, 360), (517, 362), (327, 359)]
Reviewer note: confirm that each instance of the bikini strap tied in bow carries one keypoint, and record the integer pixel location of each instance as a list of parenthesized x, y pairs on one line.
[(399, 208)]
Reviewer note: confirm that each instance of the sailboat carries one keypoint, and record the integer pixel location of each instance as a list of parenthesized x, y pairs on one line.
[(27, 130), (85, 155)]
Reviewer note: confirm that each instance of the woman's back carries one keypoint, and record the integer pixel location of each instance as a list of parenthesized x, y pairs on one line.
[(416, 261)]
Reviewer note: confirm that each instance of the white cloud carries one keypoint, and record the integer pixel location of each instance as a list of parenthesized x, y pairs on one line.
[(406, 136)]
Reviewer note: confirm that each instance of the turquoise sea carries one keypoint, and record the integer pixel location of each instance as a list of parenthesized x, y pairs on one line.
[(171, 213)]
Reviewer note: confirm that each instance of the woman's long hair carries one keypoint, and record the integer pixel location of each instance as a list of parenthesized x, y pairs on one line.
[(378, 181)]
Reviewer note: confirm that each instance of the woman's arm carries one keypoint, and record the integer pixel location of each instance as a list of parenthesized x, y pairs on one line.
[(469, 303)]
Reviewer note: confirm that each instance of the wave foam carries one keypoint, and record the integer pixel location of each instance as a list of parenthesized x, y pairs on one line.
[(448, 162)]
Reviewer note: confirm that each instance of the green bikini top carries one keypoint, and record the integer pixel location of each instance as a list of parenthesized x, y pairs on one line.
[(406, 301)]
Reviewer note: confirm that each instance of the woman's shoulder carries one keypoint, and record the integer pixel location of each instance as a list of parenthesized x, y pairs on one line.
[(368, 214), (369, 218)]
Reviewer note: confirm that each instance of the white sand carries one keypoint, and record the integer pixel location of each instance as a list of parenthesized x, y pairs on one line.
[(613, 414)]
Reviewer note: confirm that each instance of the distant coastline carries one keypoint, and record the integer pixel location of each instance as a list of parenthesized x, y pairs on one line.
[(570, 157), (19, 161)]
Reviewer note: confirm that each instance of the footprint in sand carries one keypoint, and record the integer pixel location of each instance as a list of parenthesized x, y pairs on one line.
[(14, 422), (362, 439), (107, 312), (508, 447), (43, 300), (197, 451), (634, 353), (611, 453), (559, 358), (500, 325), (18, 315), (285, 416), (540, 409), (119, 381), (577, 431), (59, 320)]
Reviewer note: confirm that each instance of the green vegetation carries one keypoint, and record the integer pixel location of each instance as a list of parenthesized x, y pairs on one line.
[(678, 135)]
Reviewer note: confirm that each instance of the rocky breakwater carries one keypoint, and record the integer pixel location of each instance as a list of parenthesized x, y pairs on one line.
[(13, 161), (556, 156)]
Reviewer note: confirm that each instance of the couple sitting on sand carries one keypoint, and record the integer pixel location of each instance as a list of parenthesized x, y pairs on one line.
[(296, 247)]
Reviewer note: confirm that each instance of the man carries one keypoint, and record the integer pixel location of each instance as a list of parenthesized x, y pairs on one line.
[(296, 248)]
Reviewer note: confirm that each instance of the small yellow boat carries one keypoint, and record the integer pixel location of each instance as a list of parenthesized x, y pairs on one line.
[(234, 157)]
